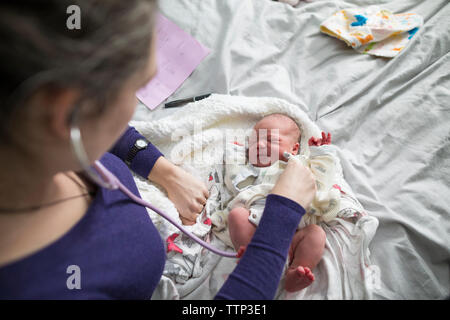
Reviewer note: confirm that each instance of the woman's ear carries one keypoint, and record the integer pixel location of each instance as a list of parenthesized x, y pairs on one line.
[(59, 107), (295, 148)]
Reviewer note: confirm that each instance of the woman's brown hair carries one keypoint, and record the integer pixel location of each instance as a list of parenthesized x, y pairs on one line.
[(38, 50)]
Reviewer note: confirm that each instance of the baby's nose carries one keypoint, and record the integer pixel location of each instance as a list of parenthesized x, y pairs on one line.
[(262, 144)]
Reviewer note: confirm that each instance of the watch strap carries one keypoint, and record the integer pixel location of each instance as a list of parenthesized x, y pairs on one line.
[(133, 152)]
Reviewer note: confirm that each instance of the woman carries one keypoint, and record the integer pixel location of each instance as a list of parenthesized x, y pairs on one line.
[(55, 223)]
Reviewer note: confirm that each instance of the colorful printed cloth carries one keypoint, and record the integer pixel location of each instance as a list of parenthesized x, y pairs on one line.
[(373, 30)]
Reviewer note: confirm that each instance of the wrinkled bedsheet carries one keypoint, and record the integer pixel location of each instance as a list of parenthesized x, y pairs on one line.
[(390, 117)]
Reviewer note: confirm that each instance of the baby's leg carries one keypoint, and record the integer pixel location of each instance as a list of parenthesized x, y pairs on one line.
[(304, 254), (241, 230)]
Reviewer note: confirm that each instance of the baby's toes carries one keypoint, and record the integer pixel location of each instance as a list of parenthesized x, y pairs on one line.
[(309, 274), (301, 271)]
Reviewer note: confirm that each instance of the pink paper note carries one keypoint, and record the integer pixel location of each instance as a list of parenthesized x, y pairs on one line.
[(178, 54)]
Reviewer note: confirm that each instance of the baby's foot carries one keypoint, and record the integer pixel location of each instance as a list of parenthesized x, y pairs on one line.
[(298, 278)]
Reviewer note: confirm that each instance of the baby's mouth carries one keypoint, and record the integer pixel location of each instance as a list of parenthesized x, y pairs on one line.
[(264, 159)]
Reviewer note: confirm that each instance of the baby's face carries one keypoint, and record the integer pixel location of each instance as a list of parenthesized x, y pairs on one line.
[(270, 137)]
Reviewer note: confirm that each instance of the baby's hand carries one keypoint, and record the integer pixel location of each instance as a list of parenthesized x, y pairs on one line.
[(326, 139)]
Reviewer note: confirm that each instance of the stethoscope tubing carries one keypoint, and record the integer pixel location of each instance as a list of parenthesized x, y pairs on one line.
[(100, 168), (104, 178)]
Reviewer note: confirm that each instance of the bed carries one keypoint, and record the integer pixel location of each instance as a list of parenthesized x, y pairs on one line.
[(389, 117)]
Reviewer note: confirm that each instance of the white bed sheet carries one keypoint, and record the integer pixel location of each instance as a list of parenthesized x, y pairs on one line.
[(391, 117)]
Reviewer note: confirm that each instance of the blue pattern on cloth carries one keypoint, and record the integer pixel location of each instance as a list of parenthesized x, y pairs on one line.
[(360, 20)]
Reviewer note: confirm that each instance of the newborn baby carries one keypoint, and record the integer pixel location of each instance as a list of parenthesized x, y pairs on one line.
[(271, 136)]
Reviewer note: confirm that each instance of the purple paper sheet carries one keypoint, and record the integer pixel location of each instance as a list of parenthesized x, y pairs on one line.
[(178, 54)]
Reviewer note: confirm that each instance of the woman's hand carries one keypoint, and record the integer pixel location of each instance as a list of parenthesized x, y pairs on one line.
[(296, 183), (186, 192)]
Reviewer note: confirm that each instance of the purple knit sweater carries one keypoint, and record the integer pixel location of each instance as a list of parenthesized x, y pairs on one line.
[(120, 255)]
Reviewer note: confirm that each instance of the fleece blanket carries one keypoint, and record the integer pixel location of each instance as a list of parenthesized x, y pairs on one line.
[(191, 138)]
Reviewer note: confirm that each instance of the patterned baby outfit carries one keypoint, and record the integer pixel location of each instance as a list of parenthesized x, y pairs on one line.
[(250, 185)]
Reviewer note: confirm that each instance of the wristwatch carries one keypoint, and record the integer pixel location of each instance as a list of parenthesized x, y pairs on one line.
[(139, 145)]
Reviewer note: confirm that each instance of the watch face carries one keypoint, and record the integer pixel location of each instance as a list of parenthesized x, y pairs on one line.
[(141, 143)]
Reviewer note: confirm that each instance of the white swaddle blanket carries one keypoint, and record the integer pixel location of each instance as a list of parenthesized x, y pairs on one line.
[(194, 138)]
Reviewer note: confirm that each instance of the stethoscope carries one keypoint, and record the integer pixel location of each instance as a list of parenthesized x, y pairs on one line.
[(104, 178)]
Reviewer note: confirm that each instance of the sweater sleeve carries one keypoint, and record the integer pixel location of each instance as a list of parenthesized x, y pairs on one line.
[(144, 160), (258, 273)]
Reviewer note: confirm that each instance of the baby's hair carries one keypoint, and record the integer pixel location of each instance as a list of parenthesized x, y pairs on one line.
[(295, 126)]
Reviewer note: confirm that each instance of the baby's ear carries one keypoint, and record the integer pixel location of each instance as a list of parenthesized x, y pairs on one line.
[(296, 148)]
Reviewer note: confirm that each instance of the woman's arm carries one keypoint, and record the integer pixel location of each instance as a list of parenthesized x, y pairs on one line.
[(185, 191), (259, 271), (188, 193), (144, 160)]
